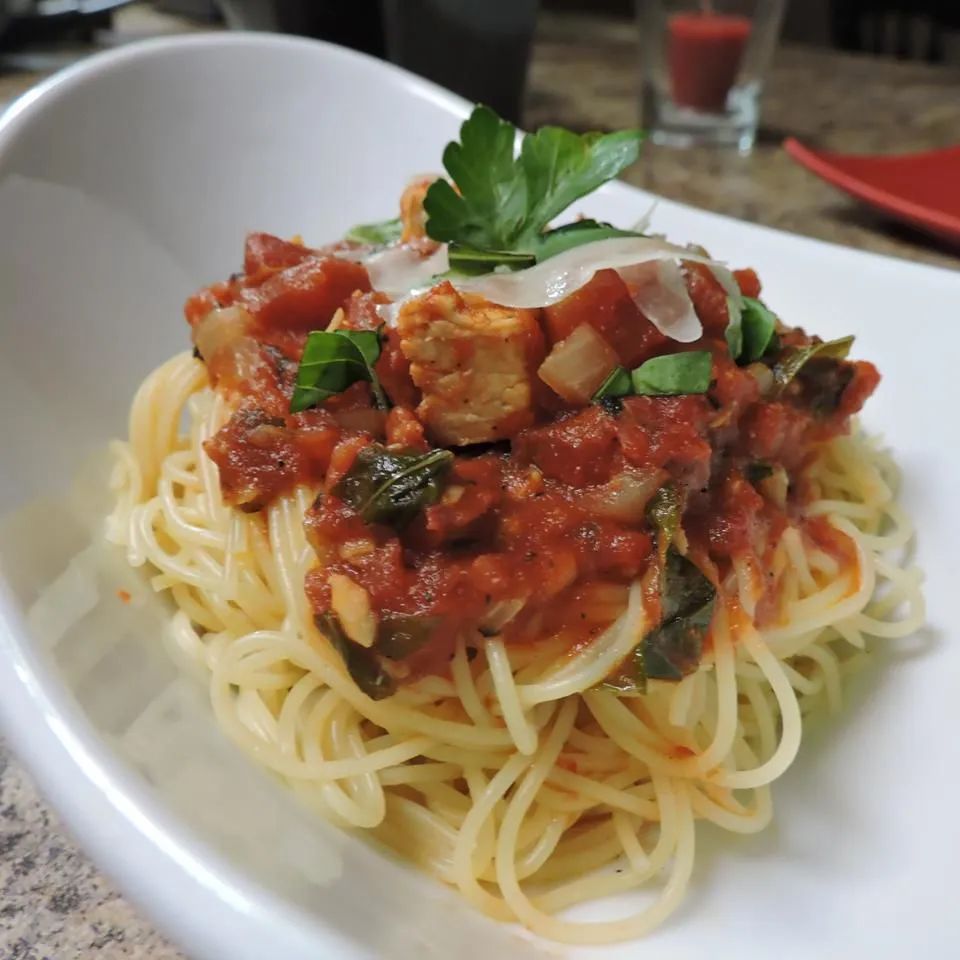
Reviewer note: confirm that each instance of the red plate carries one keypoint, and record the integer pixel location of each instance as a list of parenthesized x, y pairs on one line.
[(920, 188)]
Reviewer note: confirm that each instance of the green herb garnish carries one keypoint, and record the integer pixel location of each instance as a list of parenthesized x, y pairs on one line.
[(576, 234), (757, 471), (673, 374), (362, 664), (376, 234), (504, 204), (617, 384), (472, 261), (734, 331), (400, 635), (672, 649), (792, 362), (664, 511), (333, 360), (392, 488), (751, 329)]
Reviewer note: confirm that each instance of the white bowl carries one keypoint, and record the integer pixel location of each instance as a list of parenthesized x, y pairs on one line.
[(130, 180)]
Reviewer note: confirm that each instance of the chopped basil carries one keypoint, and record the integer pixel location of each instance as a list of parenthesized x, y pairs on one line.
[(617, 384), (399, 635), (750, 330), (575, 235), (333, 360), (734, 331), (499, 202), (664, 511), (792, 362), (473, 261), (824, 380), (673, 374), (757, 471), (673, 648), (759, 326), (392, 488), (376, 234), (362, 664)]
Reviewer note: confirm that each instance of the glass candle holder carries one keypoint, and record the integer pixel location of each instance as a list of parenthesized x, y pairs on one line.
[(703, 67)]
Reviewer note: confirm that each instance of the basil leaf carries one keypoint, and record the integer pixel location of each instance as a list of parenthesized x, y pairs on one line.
[(473, 261), (663, 511), (617, 384), (362, 664), (576, 234), (392, 488), (400, 635), (333, 360), (504, 203), (734, 331), (673, 374), (751, 329), (757, 471), (759, 326), (376, 234), (673, 648), (793, 361)]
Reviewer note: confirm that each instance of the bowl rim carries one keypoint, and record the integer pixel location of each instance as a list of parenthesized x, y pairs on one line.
[(102, 802)]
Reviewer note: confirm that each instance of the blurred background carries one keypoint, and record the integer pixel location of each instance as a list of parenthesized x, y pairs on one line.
[(849, 77)]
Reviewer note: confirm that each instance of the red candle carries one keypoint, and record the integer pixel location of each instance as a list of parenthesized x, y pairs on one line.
[(703, 54)]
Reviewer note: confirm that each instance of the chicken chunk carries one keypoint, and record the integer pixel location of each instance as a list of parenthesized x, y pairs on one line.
[(474, 363)]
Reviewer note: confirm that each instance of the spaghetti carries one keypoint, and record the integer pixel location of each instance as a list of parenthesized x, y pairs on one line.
[(524, 574)]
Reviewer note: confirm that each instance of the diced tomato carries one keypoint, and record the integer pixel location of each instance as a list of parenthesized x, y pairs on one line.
[(605, 304), (733, 388), (748, 281), (404, 430), (472, 489), (257, 458), (207, 299), (709, 298), (728, 524), (393, 369), (576, 449), (265, 254), (774, 431), (865, 380), (665, 431), (305, 296)]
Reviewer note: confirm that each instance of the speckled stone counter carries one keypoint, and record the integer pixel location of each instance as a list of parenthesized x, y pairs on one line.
[(54, 905)]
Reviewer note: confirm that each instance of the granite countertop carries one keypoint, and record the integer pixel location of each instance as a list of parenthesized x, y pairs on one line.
[(53, 902)]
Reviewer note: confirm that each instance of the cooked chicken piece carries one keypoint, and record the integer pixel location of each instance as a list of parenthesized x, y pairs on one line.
[(474, 362), (412, 215)]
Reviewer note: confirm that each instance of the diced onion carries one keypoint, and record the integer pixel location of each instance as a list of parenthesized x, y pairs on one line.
[(660, 293), (230, 353), (625, 497), (576, 366), (220, 329), (554, 279)]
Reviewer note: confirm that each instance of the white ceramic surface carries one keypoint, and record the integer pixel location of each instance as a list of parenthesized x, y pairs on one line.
[(130, 180)]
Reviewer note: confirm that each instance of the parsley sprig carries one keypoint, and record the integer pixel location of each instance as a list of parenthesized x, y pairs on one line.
[(501, 204)]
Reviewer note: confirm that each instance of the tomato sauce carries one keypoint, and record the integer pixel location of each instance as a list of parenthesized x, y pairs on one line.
[(528, 522)]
